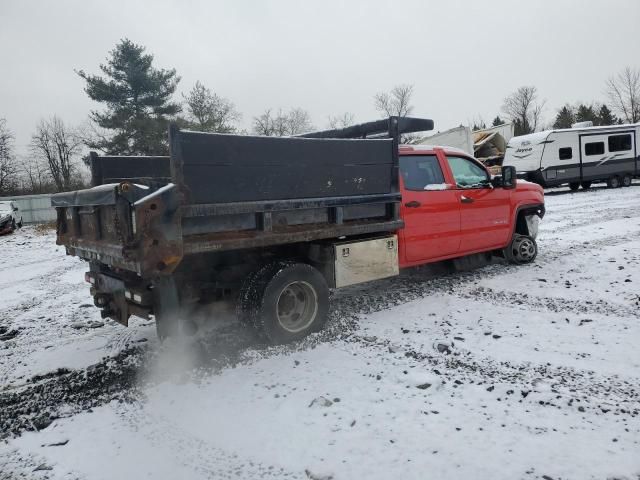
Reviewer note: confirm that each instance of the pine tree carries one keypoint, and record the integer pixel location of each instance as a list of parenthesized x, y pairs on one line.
[(497, 121), (138, 103), (565, 117), (606, 117), (586, 113)]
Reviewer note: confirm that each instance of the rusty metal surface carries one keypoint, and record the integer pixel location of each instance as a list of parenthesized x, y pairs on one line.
[(106, 233), (159, 232)]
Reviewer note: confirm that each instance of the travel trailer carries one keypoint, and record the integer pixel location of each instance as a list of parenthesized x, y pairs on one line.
[(577, 156)]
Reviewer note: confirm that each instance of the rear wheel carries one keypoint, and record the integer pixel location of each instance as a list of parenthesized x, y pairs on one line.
[(626, 180), (613, 181), (586, 185), (284, 301), (574, 186), (523, 249)]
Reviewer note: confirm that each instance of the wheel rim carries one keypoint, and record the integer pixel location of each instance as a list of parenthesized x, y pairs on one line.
[(297, 306), (614, 182), (524, 250), (626, 181)]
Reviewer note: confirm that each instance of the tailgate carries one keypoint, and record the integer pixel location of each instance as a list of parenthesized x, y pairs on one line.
[(122, 225)]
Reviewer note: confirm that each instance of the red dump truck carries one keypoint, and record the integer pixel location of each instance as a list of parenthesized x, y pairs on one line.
[(274, 223)]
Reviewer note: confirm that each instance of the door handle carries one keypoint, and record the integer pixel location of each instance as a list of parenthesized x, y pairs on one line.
[(412, 204), (464, 199)]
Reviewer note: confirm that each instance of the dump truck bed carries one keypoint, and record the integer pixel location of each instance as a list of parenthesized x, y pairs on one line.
[(219, 192)]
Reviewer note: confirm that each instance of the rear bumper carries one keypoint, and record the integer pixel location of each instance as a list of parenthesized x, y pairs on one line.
[(117, 299)]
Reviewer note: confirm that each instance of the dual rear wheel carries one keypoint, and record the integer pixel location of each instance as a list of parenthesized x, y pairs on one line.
[(284, 301), (614, 181)]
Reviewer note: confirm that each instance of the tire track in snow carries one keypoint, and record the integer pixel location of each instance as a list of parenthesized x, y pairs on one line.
[(556, 386), (203, 458), (548, 304)]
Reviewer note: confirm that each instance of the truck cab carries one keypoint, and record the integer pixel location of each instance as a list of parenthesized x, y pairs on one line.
[(451, 206)]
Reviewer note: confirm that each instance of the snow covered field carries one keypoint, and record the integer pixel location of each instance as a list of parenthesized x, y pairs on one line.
[(503, 372)]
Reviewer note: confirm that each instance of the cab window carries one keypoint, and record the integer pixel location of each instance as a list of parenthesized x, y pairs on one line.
[(467, 173), (418, 171)]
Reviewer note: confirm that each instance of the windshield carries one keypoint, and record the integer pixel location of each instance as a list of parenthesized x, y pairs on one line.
[(5, 208)]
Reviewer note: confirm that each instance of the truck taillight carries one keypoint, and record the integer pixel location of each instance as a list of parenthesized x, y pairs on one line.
[(89, 278)]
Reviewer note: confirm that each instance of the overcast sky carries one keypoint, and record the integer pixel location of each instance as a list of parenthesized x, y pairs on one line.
[(329, 57)]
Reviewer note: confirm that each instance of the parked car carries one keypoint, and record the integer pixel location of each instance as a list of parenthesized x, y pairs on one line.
[(275, 222), (10, 217)]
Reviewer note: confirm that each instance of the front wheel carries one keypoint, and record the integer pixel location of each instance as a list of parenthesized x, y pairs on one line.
[(522, 249), (586, 185), (626, 180), (573, 186), (284, 301)]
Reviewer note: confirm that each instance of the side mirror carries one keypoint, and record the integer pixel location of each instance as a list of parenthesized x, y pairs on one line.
[(509, 178), (15, 209)]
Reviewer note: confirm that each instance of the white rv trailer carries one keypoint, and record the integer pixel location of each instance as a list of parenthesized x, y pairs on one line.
[(577, 156)]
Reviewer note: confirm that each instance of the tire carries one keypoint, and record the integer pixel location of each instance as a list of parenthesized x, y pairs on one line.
[(613, 181), (284, 301), (13, 226), (522, 250), (626, 180), (586, 185), (574, 186)]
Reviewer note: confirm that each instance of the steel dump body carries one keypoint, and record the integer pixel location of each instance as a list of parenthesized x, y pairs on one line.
[(219, 192)]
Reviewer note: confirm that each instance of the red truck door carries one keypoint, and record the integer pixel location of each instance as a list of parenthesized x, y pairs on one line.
[(484, 210), (431, 212)]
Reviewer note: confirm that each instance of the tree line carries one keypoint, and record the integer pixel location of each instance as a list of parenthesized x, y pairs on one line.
[(138, 100)]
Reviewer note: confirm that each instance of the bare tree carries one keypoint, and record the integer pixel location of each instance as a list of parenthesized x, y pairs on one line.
[(299, 121), (397, 102), (281, 124), (523, 108), (8, 167), (35, 176), (264, 124), (209, 112), (58, 146), (623, 91), (342, 121)]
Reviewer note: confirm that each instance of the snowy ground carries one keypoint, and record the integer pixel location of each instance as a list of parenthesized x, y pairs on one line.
[(504, 372)]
